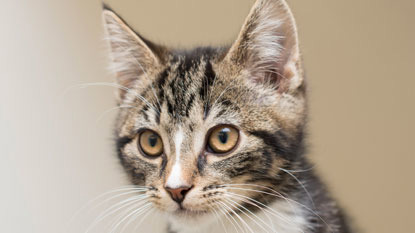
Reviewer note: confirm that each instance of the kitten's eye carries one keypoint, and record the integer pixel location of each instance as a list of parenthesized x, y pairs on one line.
[(150, 143), (223, 139)]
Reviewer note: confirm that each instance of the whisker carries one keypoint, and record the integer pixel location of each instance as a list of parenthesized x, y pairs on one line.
[(254, 185), (228, 216), (218, 219), (239, 217), (107, 212), (253, 204), (142, 208), (288, 201), (237, 206), (277, 194), (301, 184), (135, 216), (140, 97), (212, 88), (110, 110), (142, 219), (302, 170), (266, 208), (224, 91), (251, 201), (126, 209), (89, 203), (250, 212), (118, 195)]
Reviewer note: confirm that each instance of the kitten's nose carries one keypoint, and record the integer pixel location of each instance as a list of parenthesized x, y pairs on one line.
[(178, 194)]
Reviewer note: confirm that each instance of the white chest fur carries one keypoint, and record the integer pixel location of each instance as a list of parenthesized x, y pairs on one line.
[(280, 217)]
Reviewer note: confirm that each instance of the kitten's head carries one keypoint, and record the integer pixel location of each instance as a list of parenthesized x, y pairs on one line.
[(199, 127)]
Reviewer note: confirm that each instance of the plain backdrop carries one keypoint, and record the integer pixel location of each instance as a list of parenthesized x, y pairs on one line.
[(56, 134)]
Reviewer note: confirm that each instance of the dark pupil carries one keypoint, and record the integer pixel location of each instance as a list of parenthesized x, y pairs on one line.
[(223, 135), (152, 140)]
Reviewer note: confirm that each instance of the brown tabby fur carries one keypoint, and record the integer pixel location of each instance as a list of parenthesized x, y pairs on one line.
[(257, 85)]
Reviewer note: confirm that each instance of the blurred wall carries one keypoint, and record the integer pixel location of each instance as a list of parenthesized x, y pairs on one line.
[(57, 151)]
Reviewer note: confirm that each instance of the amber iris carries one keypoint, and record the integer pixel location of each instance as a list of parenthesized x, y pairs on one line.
[(223, 139), (150, 143)]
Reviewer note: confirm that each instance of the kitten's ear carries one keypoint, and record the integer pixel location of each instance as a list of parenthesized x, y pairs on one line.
[(132, 55), (267, 46)]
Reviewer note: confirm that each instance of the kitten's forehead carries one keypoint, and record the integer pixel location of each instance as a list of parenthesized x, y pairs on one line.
[(186, 83), (194, 91), (181, 93)]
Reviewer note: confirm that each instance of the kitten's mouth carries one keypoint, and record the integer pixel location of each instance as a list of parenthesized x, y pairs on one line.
[(183, 212)]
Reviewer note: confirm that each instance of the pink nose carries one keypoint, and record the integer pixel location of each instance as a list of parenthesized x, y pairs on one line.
[(178, 194)]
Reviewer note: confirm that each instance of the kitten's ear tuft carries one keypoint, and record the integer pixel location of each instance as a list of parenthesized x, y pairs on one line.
[(267, 46), (132, 55)]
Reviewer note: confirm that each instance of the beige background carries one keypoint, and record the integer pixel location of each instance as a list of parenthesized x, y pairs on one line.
[(56, 145)]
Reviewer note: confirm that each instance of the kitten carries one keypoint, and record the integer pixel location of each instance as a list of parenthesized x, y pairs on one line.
[(215, 136)]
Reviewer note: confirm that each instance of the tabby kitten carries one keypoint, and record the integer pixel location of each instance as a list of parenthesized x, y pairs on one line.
[(215, 136)]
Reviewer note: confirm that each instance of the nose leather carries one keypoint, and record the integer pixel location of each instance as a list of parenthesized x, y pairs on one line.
[(178, 194)]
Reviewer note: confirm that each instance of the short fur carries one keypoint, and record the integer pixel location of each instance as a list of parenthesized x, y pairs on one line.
[(257, 85)]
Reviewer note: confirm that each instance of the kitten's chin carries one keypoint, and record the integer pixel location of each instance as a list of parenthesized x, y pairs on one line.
[(191, 219)]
